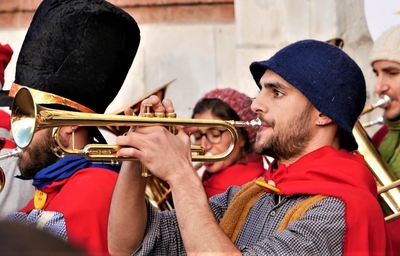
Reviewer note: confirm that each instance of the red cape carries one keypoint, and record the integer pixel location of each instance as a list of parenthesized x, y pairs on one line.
[(340, 174), (237, 174), (84, 200)]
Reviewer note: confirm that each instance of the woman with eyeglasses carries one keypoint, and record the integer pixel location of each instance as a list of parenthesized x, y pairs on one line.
[(241, 166)]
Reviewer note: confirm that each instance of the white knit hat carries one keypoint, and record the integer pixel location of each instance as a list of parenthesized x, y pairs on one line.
[(387, 46)]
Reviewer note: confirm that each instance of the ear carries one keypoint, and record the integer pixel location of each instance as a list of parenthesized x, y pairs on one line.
[(323, 120), (68, 130)]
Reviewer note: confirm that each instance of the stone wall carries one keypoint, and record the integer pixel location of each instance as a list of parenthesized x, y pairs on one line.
[(206, 44)]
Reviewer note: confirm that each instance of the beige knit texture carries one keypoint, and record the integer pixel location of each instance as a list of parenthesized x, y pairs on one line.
[(387, 46)]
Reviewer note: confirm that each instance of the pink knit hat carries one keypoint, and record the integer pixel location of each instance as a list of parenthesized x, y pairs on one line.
[(239, 102)]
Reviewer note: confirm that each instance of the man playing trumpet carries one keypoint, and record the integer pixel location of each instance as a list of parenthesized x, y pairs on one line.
[(317, 198), (385, 62)]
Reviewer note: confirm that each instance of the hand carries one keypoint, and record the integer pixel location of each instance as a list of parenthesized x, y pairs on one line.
[(161, 152)]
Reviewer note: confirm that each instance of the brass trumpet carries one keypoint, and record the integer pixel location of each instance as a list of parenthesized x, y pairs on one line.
[(382, 102), (28, 117), (388, 190)]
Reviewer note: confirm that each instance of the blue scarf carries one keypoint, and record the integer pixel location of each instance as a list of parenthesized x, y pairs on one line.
[(65, 168)]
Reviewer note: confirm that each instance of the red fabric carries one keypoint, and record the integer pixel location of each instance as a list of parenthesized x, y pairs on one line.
[(237, 174), (5, 120), (340, 174), (379, 136), (393, 226), (84, 200), (9, 144), (5, 56)]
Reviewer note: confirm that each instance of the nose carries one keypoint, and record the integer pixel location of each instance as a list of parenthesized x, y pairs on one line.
[(381, 85), (256, 105), (204, 143)]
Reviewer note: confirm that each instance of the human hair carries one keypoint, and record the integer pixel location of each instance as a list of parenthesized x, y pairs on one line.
[(223, 111), (20, 239)]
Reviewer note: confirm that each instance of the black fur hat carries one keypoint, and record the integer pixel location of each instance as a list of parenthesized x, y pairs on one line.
[(78, 49)]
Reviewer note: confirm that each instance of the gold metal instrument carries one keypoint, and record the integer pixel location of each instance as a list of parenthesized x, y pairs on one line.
[(27, 117), (388, 192), (382, 102), (13, 153)]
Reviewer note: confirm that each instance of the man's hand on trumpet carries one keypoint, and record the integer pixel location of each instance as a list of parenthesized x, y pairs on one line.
[(155, 142)]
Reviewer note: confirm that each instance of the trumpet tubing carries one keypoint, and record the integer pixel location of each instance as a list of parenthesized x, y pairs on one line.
[(384, 101), (381, 171), (28, 117), (387, 185)]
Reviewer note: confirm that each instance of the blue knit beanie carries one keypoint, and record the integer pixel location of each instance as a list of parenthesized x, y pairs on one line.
[(327, 76)]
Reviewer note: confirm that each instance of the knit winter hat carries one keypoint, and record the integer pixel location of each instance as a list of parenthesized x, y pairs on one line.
[(327, 76), (239, 102), (387, 46)]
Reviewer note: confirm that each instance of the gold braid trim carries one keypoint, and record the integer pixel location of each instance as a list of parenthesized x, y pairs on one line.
[(235, 216), (298, 210)]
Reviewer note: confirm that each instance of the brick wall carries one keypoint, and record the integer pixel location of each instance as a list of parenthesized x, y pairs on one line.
[(18, 14)]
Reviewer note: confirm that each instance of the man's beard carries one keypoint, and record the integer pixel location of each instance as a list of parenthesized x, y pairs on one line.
[(40, 156), (291, 138)]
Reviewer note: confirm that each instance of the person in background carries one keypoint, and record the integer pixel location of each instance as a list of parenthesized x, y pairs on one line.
[(385, 62), (241, 166), (316, 198), (16, 192), (75, 57)]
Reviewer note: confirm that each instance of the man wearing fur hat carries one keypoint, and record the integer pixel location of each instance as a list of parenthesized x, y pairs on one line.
[(316, 198), (385, 61), (75, 57)]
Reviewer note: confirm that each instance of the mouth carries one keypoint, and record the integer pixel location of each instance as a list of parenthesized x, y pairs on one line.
[(264, 126)]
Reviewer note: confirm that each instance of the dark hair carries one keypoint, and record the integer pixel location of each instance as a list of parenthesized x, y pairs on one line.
[(20, 239), (223, 111)]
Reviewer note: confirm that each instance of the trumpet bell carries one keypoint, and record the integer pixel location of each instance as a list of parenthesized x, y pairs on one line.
[(23, 118)]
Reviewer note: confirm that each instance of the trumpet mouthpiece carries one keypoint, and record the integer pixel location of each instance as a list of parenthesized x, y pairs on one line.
[(13, 153), (255, 123), (382, 102)]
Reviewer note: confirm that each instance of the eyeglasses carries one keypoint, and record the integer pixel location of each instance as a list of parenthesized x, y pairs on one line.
[(213, 136)]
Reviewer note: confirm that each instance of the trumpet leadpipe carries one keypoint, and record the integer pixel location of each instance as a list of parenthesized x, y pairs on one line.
[(255, 123), (379, 120), (380, 103), (13, 153)]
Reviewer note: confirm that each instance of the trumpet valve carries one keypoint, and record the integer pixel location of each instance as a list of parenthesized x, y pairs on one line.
[(159, 114), (147, 112)]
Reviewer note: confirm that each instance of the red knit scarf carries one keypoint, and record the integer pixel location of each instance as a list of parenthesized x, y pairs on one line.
[(340, 174)]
